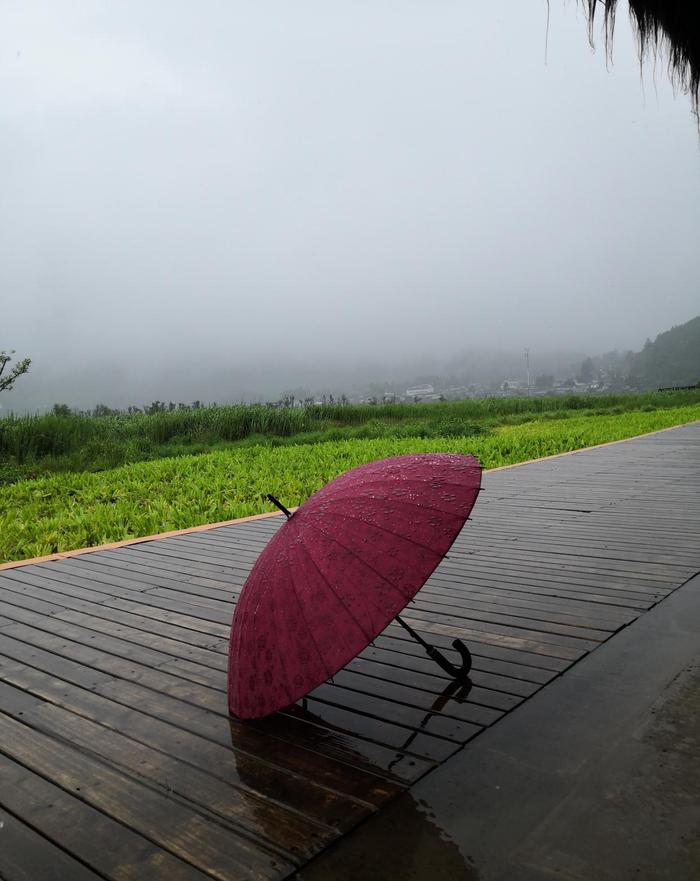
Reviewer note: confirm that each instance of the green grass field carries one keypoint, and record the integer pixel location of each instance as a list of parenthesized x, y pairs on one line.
[(73, 509), (34, 446)]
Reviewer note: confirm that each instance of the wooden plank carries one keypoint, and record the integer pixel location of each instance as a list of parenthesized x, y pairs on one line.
[(149, 571), (196, 714), (519, 655), (153, 654), (85, 675), (614, 554), (192, 718), (424, 591), (402, 739), (511, 573), (194, 602), (548, 656), (20, 605), (112, 592), (473, 711), (195, 672), (106, 846), (531, 601), (495, 637), (611, 563), (571, 620), (326, 792), (14, 701), (543, 627), (147, 655), (229, 566), (516, 559), (513, 553), (168, 566), (27, 856), (192, 563), (631, 530), (282, 830), (213, 614), (395, 652), (526, 584), (215, 546), (113, 583), (199, 659), (209, 656), (408, 717), (172, 626), (87, 665), (519, 560), (558, 610), (491, 690)]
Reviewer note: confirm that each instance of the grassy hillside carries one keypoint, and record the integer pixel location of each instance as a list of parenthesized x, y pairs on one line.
[(673, 359)]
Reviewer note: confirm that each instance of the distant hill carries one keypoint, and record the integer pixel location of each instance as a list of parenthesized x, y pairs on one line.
[(672, 359)]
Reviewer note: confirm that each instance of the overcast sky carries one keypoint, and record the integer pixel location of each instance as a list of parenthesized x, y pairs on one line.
[(222, 183)]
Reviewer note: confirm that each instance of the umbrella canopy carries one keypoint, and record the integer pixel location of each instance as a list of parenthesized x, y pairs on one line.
[(339, 570)]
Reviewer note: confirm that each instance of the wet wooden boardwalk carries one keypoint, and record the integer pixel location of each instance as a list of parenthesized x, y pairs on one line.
[(118, 759)]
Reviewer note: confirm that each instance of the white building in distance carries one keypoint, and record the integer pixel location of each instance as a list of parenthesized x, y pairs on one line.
[(420, 391)]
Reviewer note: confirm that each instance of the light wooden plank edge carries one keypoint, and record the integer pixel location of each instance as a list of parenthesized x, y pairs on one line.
[(63, 555)]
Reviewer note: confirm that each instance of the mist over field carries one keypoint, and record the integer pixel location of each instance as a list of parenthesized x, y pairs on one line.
[(227, 201)]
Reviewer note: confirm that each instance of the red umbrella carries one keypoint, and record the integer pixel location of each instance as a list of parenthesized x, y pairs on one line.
[(339, 570)]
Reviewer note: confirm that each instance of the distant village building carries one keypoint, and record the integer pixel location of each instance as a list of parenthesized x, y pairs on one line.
[(459, 392), (570, 386), (420, 391), (514, 385)]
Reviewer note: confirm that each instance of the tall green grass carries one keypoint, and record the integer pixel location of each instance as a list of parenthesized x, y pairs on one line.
[(50, 435), (66, 511), (32, 445)]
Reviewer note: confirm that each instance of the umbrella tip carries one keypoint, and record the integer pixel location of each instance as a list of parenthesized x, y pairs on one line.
[(278, 504)]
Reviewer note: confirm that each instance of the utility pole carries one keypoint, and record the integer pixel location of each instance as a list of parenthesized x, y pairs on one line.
[(527, 368)]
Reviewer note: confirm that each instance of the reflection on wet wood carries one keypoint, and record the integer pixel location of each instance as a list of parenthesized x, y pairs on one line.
[(117, 755)]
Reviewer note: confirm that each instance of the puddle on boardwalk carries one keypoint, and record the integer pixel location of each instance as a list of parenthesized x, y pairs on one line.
[(417, 849)]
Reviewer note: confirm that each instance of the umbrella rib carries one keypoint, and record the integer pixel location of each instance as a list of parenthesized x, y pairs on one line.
[(347, 609), (301, 610), (384, 529), (357, 557)]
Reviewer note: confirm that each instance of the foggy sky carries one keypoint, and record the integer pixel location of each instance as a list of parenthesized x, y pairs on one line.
[(205, 189)]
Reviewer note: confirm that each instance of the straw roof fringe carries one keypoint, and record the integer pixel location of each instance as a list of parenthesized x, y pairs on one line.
[(664, 27)]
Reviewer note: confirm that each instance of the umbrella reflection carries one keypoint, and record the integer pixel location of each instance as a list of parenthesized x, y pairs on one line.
[(457, 690)]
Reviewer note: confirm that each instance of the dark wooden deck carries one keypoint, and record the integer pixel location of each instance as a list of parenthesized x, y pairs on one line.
[(118, 759)]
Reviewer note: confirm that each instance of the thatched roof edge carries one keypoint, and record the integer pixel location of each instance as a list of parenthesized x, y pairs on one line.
[(664, 27)]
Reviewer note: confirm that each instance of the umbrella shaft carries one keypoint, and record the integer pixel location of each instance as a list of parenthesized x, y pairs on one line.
[(413, 633)]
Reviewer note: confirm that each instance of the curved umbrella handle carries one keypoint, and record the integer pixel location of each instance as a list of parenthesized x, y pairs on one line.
[(466, 656), (461, 674)]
